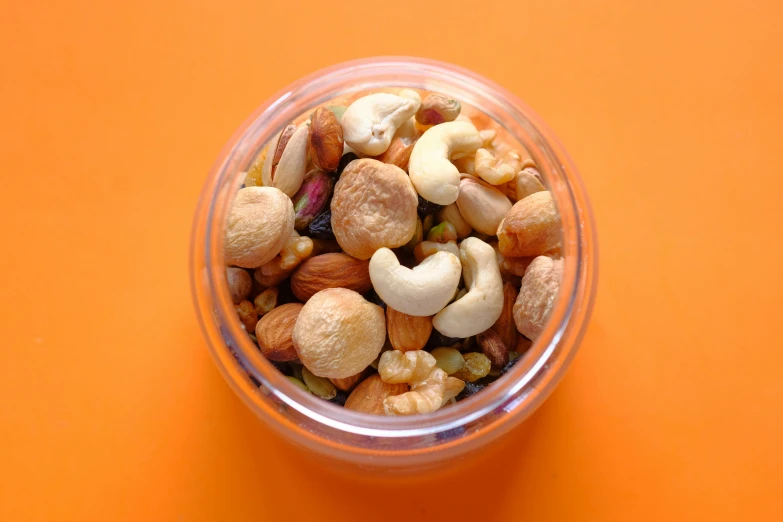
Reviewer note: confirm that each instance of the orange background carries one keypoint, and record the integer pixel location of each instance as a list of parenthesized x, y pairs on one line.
[(112, 113)]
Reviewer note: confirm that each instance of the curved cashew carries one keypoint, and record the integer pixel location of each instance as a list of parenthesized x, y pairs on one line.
[(370, 122), (482, 305), (422, 291), (289, 172), (497, 171), (433, 175)]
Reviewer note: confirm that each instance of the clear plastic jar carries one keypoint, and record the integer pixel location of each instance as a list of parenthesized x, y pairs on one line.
[(396, 443)]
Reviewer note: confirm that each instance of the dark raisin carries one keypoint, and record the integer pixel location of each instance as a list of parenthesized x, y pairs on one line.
[(427, 207), (340, 398), (437, 340), (282, 367), (374, 298), (344, 161), (471, 388), (509, 365), (284, 293), (321, 226)]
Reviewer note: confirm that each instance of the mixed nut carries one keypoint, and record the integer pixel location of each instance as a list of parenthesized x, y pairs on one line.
[(390, 256)]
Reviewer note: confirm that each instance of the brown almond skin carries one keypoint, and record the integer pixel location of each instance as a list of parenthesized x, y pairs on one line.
[(493, 347), (334, 270), (505, 326), (348, 383), (274, 331), (531, 227), (326, 139), (407, 332), (368, 396)]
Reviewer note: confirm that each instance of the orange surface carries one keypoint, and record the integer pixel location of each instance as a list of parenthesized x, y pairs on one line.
[(112, 113)]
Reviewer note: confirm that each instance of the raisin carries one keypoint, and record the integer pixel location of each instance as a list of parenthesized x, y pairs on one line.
[(340, 398), (321, 226), (509, 365), (426, 208), (437, 340), (344, 161), (374, 298), (471, 388)]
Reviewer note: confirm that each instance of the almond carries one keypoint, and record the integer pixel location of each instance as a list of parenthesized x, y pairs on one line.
[(407, 332), (274, 332), (348, 383), (326, 139), (492, 346), (330, 271), (368, 396), (505, 326)]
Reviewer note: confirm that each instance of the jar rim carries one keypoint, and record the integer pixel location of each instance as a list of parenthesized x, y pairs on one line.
[(528, 382)]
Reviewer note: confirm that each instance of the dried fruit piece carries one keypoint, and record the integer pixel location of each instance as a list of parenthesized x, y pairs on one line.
[(312, 198), (319, 386), (258, 226), (436, 109), (321, 226), (369, 395), (437, 339), (531, 227), (374, 206), (239, 284), (477, 365), (344, 161), (274, 332), (330, 271), (505, 326), (537, 295), (407, 332), (449, 360), (338, 333), (470, 389), (247, 315), (266, 301), (493, 347), (326, 139), (425, 208)]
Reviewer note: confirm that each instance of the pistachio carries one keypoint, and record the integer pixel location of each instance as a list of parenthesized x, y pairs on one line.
[(311, 198), (482, 205), (442, 233), (320, 386)]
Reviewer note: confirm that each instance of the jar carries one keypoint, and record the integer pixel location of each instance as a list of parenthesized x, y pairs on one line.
[(393, 443)]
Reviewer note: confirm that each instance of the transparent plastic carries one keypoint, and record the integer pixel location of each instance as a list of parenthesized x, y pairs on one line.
[(393, 443)]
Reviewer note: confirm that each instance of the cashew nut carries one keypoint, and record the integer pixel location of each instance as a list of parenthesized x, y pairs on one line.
[(289, 173), (482, 305), (370, 122), (433, 175), (421, 291)]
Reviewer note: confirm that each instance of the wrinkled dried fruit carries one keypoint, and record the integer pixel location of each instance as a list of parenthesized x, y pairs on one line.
[(537, 295), (330, 271), (505, 326), (514, 357), (312, 198), (425, 208), (374, 206), (449, 360), (477, 365), (344, 161), (438, 339), (470, 389), (326, 139), (239, 284), (266, 301), (407, 332), (531, 227), (274, 332), (493, 347), (247, 315), (338, 333), (369, 395), (259, 225), (437, 108), (321, 226)]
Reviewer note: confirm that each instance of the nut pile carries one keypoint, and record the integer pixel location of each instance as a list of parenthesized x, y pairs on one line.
[(393, 254)]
